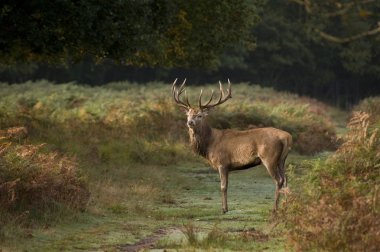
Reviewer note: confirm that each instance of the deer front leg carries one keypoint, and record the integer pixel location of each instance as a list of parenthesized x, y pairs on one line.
[(223, 173)]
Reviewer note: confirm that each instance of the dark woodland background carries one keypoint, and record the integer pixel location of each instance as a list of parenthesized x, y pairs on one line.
[(329, 50)]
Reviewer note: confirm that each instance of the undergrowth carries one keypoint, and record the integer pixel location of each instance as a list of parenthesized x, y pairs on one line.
[(335, 207), (147, 120), (371, 106), (36, 185)]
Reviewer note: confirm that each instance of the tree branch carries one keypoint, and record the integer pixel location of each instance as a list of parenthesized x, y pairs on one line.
[(340, 40), (343, 8), (346, 7)]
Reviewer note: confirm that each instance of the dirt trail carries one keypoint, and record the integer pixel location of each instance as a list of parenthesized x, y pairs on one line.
[(148, 242)]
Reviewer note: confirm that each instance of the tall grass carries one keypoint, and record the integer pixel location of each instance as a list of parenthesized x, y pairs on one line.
[(371, 106), (336, 205), (145, 118)]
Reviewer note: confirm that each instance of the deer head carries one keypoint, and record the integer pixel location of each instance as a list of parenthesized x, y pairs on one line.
[(196, 116)]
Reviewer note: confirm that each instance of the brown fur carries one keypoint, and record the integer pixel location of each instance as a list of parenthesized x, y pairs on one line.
[(230, 150), (200, 139)]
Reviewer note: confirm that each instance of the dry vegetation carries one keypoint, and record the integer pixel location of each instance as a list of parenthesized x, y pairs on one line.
[(31, 177), (336, 206), (36, 185), (371, 106)]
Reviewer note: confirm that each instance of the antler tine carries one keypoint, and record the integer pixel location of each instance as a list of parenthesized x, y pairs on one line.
[(187, 100), (229, 89), (182, 87), (222, 97), (177, 92), (186, 97), (212, 96), (221, 92), (173, 86), (200, 99)]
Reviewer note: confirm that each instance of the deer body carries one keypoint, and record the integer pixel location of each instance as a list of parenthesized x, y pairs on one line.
[(239, 150), (229, 150)]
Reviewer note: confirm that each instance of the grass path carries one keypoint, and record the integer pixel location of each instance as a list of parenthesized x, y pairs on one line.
[(195, 210), (190, 219)]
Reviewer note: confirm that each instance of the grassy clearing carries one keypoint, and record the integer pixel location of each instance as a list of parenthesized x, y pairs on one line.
[(196, 204), (130, 141)]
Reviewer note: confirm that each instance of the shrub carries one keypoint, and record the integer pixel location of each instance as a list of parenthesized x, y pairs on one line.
[(33, 179), (336, 205), (371, 106)]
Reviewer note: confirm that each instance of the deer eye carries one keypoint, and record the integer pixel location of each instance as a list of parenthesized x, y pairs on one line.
[(199, 116)]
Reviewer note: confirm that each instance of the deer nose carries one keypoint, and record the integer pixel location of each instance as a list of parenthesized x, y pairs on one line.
[(190, 123)]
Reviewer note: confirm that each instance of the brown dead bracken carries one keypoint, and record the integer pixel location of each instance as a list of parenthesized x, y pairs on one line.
[(229, 150)]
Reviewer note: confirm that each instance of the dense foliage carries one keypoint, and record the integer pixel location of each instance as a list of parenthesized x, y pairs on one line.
[(335, 207), (290, 54), (164, 33)]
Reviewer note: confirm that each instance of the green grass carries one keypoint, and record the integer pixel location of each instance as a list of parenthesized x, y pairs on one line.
[(195, 201), (131, 143)]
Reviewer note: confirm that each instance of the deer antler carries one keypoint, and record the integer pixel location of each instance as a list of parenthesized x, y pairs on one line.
[(176, 94), (222, 98)]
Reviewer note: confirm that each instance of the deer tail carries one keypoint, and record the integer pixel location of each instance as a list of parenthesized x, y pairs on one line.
[(286, 146)]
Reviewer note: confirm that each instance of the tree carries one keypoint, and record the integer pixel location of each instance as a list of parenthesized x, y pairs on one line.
[(292, 55), (351, 26), (147, 32), (333, 19)]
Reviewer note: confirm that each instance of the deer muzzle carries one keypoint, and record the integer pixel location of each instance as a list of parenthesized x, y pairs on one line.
[(190, 123)]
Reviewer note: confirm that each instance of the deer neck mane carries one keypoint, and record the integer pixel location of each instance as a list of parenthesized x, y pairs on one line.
[(200, 138)]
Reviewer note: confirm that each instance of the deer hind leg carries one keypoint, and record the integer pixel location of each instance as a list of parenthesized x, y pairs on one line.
[(274, 172), (223, 173), (281, 171), (277, 196)]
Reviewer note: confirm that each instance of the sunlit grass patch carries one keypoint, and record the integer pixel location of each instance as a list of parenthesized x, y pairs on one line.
[(192, 237)]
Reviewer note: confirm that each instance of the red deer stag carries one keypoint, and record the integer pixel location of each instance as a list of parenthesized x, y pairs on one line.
[(229, 150)]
